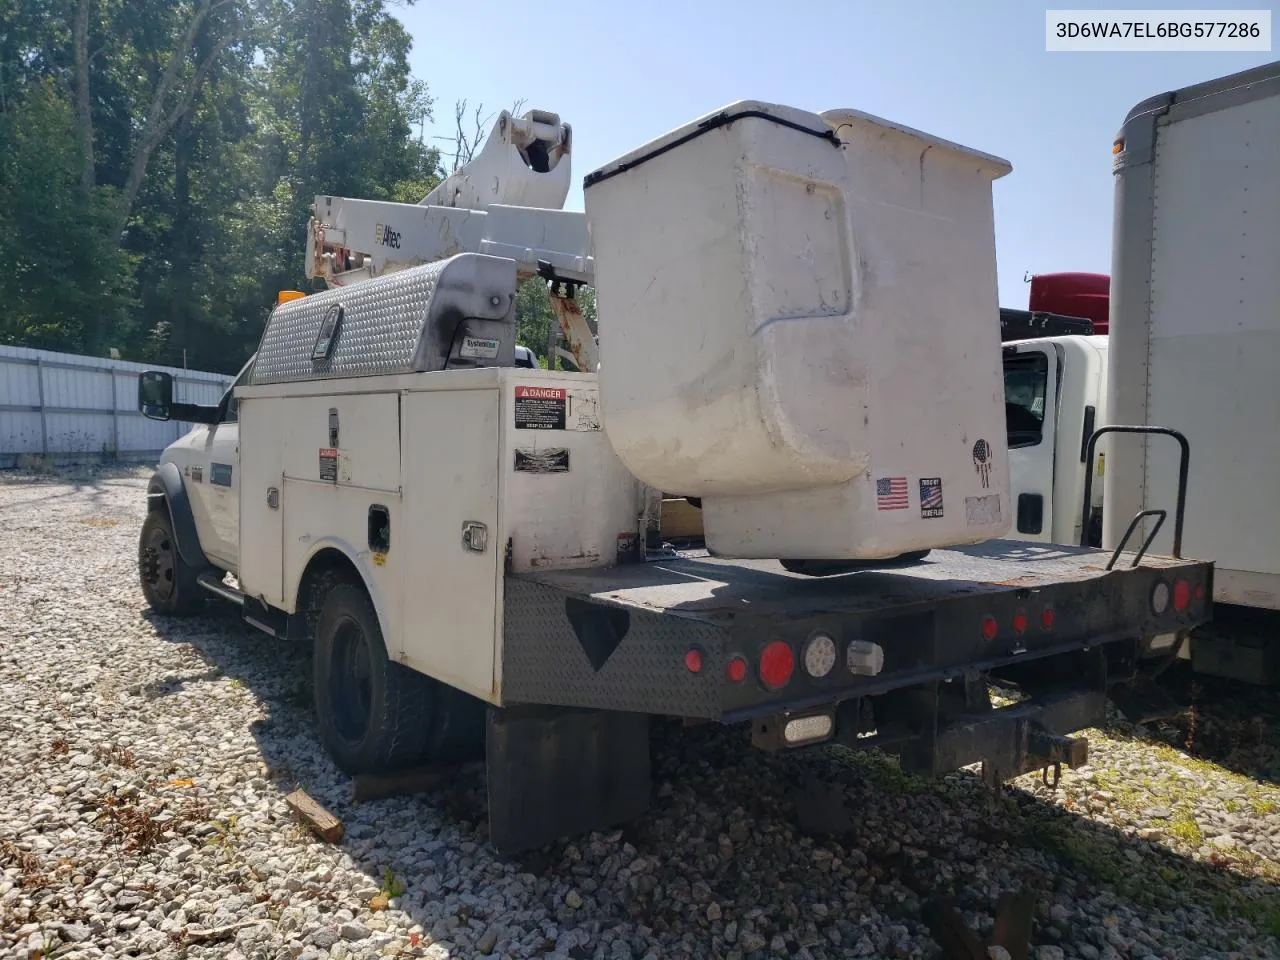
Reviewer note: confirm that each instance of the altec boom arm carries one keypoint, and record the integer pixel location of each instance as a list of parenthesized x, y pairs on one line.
[(505, 202)]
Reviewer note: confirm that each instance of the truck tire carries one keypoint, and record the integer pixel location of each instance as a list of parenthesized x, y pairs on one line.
[(458, 735), (374, 715), (168, 582)]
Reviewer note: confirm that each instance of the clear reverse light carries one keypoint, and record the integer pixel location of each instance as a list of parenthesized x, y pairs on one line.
[(819, 655), (1160, 598)]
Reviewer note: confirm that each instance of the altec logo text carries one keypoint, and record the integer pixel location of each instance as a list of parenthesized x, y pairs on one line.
[(387, 237)]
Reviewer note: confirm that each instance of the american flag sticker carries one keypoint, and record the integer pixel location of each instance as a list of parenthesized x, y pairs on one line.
[(930, 497), (891, 493)]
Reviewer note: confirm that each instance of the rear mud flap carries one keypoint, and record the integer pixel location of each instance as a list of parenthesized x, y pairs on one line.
[(556, 773)]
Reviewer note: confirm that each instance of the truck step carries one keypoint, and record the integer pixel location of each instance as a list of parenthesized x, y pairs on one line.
[(211, 580)]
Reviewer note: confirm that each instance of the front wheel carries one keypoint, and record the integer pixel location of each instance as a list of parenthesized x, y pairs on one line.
[(168, 582), (374, 715)]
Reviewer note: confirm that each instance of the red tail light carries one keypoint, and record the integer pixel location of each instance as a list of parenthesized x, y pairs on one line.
[(989, 627), (737, 668), (693, 660), (776, 663), (1181, 595), (1019, 623), (1046, 618)]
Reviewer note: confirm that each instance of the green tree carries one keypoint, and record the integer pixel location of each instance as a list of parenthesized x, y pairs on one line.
[(62, 279), (158, 161), (536, 318)]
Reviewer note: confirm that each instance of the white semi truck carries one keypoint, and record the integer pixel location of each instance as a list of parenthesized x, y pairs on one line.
[(1194, 344), (465, 540)]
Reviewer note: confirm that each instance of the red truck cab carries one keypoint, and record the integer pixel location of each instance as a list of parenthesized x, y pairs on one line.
[(1085, 295)]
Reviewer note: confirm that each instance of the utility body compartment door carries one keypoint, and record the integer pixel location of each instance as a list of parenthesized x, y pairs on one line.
[(340, 491), (261, 544), (454, 559)]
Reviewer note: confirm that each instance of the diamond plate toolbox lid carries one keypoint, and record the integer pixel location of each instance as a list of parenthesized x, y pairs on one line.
[(454, 313)]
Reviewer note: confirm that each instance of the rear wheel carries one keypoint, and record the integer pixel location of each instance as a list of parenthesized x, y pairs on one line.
[(168, 582), (374, 715), (459, 732)]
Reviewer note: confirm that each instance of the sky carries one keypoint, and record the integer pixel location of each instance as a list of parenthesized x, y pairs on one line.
[(622, 73)]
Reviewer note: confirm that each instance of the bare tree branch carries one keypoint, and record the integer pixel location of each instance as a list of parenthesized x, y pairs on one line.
[(84, 110), (465, 145), (460, 137), (475, 137)]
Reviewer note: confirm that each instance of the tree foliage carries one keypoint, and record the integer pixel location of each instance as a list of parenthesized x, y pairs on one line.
[(158, 160)]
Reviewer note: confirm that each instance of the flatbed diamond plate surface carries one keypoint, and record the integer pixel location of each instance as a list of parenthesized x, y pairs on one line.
[(718, 591), (382, 324), (543, 661)]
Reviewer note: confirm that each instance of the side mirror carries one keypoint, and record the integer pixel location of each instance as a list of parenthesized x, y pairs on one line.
[(155, 395)]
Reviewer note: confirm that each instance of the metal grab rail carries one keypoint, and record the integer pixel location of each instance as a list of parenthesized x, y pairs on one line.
[(1133, 525), (1179, 515)]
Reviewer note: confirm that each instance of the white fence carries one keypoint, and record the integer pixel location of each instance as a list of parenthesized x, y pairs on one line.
[(67, 407)]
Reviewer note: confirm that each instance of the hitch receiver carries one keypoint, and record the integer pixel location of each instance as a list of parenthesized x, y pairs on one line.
[(1014, 740)]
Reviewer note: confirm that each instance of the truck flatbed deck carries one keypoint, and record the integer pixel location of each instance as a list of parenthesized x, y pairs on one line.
[(978, 608), (694, 583)]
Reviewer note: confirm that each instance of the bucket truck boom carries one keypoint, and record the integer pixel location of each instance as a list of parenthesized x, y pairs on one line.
[(506, 202)]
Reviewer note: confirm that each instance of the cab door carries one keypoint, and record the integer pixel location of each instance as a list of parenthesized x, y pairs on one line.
[(214, 481), (1031, 414)]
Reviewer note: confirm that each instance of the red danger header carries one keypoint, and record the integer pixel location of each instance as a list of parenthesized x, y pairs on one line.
[(539, 393)]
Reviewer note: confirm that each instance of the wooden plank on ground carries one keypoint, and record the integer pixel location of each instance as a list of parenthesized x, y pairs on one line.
[(951, 933), (1015, 915), (325, 824)]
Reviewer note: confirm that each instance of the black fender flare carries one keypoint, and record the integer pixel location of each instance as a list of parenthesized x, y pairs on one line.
[(166, 486)]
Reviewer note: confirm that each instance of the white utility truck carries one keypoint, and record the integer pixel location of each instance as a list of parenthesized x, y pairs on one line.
[(465, 541), (1194, 343)]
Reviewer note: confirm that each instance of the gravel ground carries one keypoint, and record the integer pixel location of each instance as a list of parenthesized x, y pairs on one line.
[(144, 762)]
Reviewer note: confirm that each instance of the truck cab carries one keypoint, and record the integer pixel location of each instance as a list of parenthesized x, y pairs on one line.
[(1055, 396), (208, 459)]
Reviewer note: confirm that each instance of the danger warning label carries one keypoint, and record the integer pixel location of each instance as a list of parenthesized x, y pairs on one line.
[(540, 408)]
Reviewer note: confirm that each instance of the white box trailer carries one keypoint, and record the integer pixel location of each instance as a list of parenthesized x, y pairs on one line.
[(1194, 337), (464, 539)]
